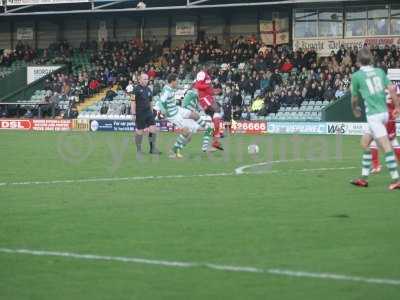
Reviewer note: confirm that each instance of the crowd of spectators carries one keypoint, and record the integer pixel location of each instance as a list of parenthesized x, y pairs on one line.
[(246, 70), (22, 52), (278, 76), (57, 53)]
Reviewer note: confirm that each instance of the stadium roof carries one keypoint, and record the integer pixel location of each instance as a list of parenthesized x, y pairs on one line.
[(41, 7)]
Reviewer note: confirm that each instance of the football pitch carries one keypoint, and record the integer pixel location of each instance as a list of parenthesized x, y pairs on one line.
[(81, 217)]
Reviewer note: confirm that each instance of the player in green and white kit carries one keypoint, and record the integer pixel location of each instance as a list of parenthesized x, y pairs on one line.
[(191, 102), (369, 84), (188, 121)]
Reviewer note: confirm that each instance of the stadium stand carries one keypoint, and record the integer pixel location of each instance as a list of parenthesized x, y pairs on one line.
[(257, 82)]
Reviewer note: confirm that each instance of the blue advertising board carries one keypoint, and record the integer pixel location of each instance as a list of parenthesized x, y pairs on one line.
[(125, 125)]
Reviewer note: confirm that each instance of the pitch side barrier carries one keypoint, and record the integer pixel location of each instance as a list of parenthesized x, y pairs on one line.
[(236, 127)]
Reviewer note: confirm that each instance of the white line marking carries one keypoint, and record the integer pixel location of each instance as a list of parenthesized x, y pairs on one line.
[(98, 257), (326, 169), (178, 176), (227, 268), (241, 170), (84, 180)]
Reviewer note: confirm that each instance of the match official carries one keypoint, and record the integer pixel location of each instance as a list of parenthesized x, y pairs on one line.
[(143, 109)]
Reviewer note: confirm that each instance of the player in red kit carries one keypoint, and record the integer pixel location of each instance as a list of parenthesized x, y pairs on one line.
[(391, 130), (207, 102)]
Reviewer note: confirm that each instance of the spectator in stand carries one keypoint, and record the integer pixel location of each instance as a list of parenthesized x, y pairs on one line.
[(276, 78), (129, 87), (340, 92), (292, 99), (328, 92), (312, 92), (122, 83), (6, 59), (237, 99), (283, 98), (110, 79), (94, 86), (110, 94), (346, 61), (152, 73), (227, 109), (22, 52), (272, 103), (287, 66)]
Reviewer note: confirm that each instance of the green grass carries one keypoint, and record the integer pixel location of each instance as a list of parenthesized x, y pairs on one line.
[(290, 219)]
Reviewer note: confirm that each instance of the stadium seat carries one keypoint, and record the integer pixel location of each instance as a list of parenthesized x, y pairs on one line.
[(311, 102), (315, 117), (253, 116)]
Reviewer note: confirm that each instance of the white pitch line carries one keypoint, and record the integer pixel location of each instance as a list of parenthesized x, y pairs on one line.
[(326, 169), (241, 170), (226, 268), (85, 180), (178, 176)]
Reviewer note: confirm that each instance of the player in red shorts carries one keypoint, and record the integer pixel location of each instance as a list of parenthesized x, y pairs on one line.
[(391, 130), (207, 102)]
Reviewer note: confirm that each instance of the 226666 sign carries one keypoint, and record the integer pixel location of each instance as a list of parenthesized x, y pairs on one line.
[(249, 127)]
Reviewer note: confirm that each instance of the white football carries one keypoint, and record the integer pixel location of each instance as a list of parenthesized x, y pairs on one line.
[(253, 149)]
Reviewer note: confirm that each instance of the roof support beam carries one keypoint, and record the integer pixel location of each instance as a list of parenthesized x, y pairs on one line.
[(180, 7), (20, 8), (197, 2), (110, 4)]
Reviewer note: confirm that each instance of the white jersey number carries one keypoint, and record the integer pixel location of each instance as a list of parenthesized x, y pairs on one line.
[(374, 85)]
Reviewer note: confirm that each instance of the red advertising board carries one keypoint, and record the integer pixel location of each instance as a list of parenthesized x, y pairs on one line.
[(249, 127), (51, 125), (16, 124), (36, 125)]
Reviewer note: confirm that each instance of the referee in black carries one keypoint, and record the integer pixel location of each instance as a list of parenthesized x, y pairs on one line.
[(143, 109)]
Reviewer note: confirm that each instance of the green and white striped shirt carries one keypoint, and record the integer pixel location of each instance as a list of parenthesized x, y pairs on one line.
[(190, 101), (167, 101)]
